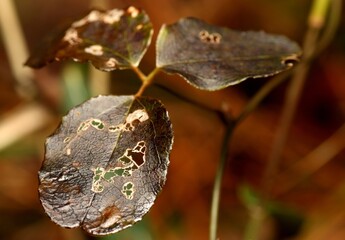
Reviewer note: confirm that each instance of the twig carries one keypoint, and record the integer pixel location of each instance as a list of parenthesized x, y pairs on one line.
[(316, 159), (146, 80), (139, 73), (315, 22), (255, 101), (186, 98), (325, 151), (218, 182), (331, 27)]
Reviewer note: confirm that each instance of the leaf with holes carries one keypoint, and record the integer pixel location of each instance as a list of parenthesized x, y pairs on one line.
[(212, 58), (115, 39), (106, 163)]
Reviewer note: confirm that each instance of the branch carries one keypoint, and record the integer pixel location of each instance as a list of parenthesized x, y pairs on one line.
[(218, 182), (311, 163), (315, 24)]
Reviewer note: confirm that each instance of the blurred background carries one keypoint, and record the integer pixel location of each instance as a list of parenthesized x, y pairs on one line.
[(308, 200)]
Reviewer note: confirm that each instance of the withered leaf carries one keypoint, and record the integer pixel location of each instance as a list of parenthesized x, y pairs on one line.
[(114, 39), (212, 58), (106, 163)]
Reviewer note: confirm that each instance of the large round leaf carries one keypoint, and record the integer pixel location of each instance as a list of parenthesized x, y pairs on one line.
[(106, 163), (212, 58), (114, 39)]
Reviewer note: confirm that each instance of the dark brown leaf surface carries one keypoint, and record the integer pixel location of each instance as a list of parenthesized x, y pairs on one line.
[(212, 58), (115, 39), (106, 163)]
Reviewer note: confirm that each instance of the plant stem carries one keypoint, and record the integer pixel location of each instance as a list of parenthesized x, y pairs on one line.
[(318, 13), (218, 181), (332, 25), (331, 146), (291, 101), (315, 21), (313, 161), (312, 41), (261, 94), (139, 73), (252, 104), (146, 80)]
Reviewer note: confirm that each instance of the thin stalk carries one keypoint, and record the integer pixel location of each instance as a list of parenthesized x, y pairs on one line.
[(312, 39), (331, 25), (294, 92), (313, 161), (184, 98), (146, 80), (318, 13), (261, 94), (140, 74), (292, 99), (218, 182), (319, 156)]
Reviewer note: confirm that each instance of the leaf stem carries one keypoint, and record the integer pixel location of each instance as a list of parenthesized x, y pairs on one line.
[(218, 181), (146, 80), (139, 73)]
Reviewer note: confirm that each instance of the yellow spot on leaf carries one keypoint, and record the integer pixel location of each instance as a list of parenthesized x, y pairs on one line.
[(206, 37), (96, 50), (113, 16), (133, 11), (111, 62), (72, 37)]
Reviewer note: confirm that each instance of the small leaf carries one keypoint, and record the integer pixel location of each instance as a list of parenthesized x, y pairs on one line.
[(212, 58), (115, 39), (106, 163)]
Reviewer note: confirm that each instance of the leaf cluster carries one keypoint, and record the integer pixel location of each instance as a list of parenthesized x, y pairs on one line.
[(108, 160)]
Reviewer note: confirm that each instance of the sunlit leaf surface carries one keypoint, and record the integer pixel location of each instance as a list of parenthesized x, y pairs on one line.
[(106, 163), (212, 58), (114, 39)]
